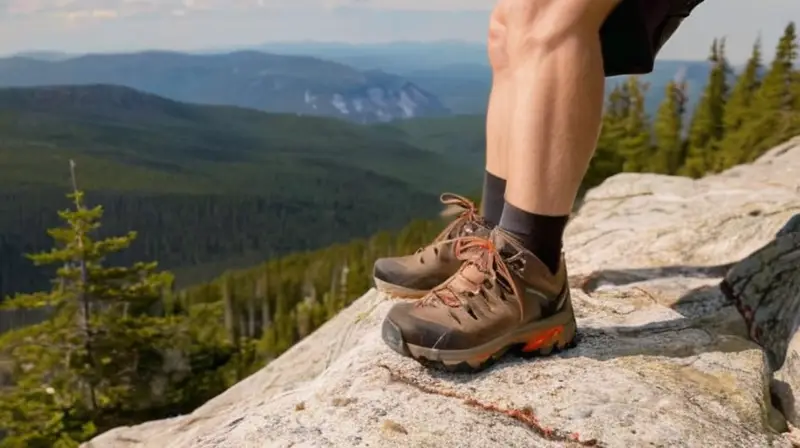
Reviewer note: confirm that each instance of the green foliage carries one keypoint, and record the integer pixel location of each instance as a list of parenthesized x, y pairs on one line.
[(739, 112), (607, 161), (153, 352), (635, 146), (93, 363), (729, 125), (668, 130), (776, 104), (707, 128)]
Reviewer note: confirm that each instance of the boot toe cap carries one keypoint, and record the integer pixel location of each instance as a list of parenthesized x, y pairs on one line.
[(408, 328)]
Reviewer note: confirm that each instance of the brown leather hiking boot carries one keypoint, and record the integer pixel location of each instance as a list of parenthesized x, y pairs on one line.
[(502, 297), (412, 276)]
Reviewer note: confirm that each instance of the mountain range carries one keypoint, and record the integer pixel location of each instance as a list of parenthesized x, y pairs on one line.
[(365, 83), (457, 72), (301, 85)]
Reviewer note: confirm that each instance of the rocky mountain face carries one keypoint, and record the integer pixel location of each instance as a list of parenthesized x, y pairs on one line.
[(686, 293), (381, 97), (273, 83)]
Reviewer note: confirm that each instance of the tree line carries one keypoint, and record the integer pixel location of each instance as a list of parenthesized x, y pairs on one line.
[(122, 344), (204, 234), (736, 119)]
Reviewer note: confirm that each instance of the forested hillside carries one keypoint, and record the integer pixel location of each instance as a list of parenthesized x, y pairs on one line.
[(143, 349), (207, 187)]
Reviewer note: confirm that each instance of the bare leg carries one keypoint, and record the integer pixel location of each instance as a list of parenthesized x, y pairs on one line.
[(501, 102), (498, 121), (557, 79), (554, 51)]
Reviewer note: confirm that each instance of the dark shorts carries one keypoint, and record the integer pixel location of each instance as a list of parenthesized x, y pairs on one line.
[(636, 30)]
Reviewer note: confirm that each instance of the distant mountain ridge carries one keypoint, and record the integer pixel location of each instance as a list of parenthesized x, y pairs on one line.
[(365, 83), (302, 85), (457, 72), (108, 121)]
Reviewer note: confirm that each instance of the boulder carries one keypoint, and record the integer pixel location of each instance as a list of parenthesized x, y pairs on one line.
[(765, 288), (664, 356)]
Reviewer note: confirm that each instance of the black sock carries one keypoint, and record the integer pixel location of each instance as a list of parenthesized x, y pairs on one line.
[(494, 189), (540, 234)]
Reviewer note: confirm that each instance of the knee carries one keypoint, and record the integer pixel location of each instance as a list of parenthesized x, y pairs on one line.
[(496, 43), (526, 26)]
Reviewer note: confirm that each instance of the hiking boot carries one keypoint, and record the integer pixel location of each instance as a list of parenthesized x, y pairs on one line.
[(412, 276), (501, 298)]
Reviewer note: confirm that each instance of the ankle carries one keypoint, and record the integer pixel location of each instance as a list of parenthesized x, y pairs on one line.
[(492, 202), (540, 234)]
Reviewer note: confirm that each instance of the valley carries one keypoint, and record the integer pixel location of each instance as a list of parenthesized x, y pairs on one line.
[(236, 177)]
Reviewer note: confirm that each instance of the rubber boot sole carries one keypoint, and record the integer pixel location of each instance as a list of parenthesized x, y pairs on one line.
[(398, 291), (540, 338)]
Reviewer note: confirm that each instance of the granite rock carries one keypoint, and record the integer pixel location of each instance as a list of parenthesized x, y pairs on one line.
[(664, 356)]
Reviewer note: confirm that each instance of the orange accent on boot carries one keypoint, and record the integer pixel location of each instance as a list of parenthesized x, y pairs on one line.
[(543, 337)]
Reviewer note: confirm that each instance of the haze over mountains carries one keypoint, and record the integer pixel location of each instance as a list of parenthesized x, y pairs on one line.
[(458, 72), (365, 83), (271, 83)]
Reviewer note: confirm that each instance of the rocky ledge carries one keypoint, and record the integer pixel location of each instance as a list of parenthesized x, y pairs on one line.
[(687, 294)]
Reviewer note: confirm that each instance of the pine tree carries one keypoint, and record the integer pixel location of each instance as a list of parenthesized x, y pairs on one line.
[(777, 90), (607, 160), (776, 103), (739, 111), (625, 142), (707, 128), (668, 129), (636, 144), (100, 347), (232, 326)]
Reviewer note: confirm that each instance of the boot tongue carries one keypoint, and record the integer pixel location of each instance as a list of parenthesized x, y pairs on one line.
[(473, 274), (483, 259), (468, 280), (477, 265)]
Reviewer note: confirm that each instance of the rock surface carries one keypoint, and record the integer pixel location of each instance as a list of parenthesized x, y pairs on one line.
[(765, 288), (664, 357)]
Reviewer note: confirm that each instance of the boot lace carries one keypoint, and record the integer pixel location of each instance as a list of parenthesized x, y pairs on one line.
[(460, 225), (483, 255)]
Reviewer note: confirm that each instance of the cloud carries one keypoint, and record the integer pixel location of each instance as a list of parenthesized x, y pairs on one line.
[(414, 5), (91, 14), (122, 8), (24, 7)]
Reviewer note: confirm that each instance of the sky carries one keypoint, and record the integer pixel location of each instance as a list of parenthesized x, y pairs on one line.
[(126, 25)]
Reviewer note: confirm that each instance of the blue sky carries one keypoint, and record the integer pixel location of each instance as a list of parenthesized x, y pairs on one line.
[(124, 25)]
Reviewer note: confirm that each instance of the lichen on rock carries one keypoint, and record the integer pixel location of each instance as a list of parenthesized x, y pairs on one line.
[(664, 356)]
